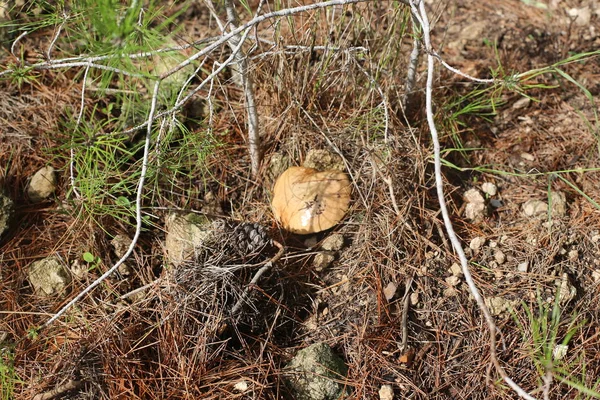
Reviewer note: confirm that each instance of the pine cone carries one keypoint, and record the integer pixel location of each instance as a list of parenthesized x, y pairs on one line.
[(249, 238)]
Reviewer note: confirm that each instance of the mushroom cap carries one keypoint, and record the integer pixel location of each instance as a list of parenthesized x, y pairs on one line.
[(308, 201)]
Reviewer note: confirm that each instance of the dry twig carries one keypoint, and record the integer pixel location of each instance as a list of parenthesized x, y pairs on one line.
[(421, 15)]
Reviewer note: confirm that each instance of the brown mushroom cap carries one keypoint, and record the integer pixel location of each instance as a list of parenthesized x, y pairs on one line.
[(308, 201)]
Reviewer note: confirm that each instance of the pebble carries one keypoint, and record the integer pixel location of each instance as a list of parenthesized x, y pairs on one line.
[(386, 392), (453, 280), (499, 256), (523, 267), (475, 208), (532, 208), (476, 243), (333, 242), (596, 275), (323, 260), (42, 184), (414, 298), (390, 290), (456, 270), (48, 276), (489, 188), (567, 291)]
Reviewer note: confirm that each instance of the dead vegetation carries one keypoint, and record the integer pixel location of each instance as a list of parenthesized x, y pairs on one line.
[(426, 337)]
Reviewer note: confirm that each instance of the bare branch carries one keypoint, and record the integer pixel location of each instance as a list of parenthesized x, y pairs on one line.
[(421, 16)]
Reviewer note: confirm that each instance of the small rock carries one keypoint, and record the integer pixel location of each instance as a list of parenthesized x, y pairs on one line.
[(595, 238), (456, 270), (390, 290), (79, 269), (499, 305), (573, 255), (582, 15), (42, 184), (453, 281), (527, 156), (414, 298), (523, 267), (241, 386), (521, 103), (212, 206), (316, 373), (596, 275), (500, 257), (532, 208), (566, 291), (322, 160), (323, 260), (489, 188), (6, 209), (386, 392), (48, 276), (185, 234), (475, 208), (450, 292), (476, 243), (558, 204), (493, 244), (333, 242)]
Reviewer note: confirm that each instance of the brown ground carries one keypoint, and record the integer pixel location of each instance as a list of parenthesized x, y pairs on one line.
[(150, 349)]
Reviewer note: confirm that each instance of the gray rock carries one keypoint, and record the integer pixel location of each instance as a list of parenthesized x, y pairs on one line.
[(120, 244), (475, 208), (6, 209), (333, 242), (323, 260), (42, 184), (48, 276), (323, 160), (531, 208), (499, 305), (558, 204), (186, 234), (316, 373)]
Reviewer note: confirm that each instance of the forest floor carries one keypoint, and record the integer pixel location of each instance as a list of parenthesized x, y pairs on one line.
[(393, 304)]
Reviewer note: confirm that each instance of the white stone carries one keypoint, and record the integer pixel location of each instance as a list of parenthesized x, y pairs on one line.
[(527, 156), (453, 280), (573, 255), (567, 291), (386, 392), (414, 298), (523, 267), (499, 256), (241, 386), (42, 184), (476, 243), (489, 188), (582, 15), (186, 234), (532, 208), (473, 196), (390, 290), (456, 270)]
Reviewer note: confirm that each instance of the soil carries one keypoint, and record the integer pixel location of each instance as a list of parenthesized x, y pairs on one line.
[(392, 304)]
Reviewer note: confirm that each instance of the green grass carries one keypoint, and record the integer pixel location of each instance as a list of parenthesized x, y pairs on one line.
[(106, 163), (548, 335), (8, 376)]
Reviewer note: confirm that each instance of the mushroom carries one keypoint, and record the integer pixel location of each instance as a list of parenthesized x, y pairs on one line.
[(308, 201)]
